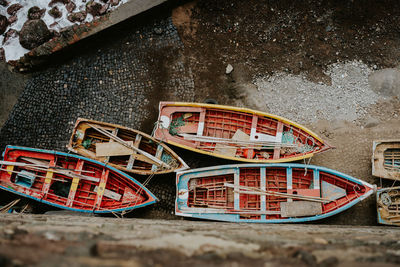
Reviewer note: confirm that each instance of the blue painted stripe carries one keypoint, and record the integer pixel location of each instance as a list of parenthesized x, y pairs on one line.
[(316, 181), (289, 178)]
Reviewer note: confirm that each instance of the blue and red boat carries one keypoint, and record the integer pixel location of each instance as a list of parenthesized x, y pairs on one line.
[(267, 193), (70, 181)]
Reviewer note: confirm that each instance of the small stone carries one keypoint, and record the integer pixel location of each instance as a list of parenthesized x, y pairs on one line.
[(70, 7), (319, 240), (55, 13), (3, 3), (36, 13), (52, 2), (12, 19), (329, 262), (158, 30), (104, 9), (114, 2), (371, 122), (13, 9), (93, 8), (228, 69), (77, 16), (34, 33), (3, 24), (11, 33)]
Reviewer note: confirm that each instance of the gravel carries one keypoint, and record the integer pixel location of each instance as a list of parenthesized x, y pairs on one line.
[(294, 97)]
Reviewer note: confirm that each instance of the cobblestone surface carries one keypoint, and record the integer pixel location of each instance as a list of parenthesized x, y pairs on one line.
[(119, 81)]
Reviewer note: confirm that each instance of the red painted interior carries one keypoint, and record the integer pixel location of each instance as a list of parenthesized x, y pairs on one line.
[(85, 195)]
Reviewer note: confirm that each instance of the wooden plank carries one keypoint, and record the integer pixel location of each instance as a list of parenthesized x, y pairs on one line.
[(263, 182), (142, 158), (110, 194), (236, 184), (300, 208), (277, 150), (74, 184), (289, 181), (131, 160), (159, 151), (316, 179), (49, 176), (200, 128), (117, 139), (101, 188), (114, 132), (113, 149)]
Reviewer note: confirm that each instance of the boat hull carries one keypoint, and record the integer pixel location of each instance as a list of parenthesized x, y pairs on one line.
[(388, 206), (87, 141), (233, 133), (386, 159), (267, 193), (70, 181)]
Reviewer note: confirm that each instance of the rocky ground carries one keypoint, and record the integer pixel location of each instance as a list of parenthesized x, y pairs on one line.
[(90, 241), (331, 65)]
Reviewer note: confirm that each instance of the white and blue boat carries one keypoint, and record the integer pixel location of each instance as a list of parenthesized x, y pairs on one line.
[(267, 193)]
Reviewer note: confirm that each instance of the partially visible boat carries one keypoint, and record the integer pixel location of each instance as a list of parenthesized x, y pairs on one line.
[(123, 148), (266, 193), (386, 159), (388, 205), (235, 133), (70, 181)]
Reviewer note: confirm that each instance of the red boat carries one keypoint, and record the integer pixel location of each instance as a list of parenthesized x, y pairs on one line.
[(235, 133), (70, 181)]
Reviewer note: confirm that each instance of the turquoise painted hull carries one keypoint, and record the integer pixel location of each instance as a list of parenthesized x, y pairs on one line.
[(235, 212)]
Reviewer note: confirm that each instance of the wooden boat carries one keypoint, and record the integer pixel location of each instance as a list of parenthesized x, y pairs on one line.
[(386, 159), (123, 148), (70, 181), (266, 193), (235, 133), (388, 205)]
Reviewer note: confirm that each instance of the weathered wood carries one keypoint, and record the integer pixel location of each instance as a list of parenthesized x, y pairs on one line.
[(110, 194), (131, 160), (300, 208), (53, 169), (117, 139), (113, 149)]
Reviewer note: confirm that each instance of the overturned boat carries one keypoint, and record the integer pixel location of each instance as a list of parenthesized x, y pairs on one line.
[(386, 159), (123, 148), (235, 133), (388, 205), (266, 193), (70, 181)]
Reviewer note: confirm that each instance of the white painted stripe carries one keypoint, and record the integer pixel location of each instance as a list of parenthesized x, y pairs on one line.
[(279, 137), (263, 182), (289, 181), (200, 129), (316, 179), (236, 183)]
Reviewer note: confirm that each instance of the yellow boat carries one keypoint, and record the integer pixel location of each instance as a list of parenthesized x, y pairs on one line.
[(234, 133)]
